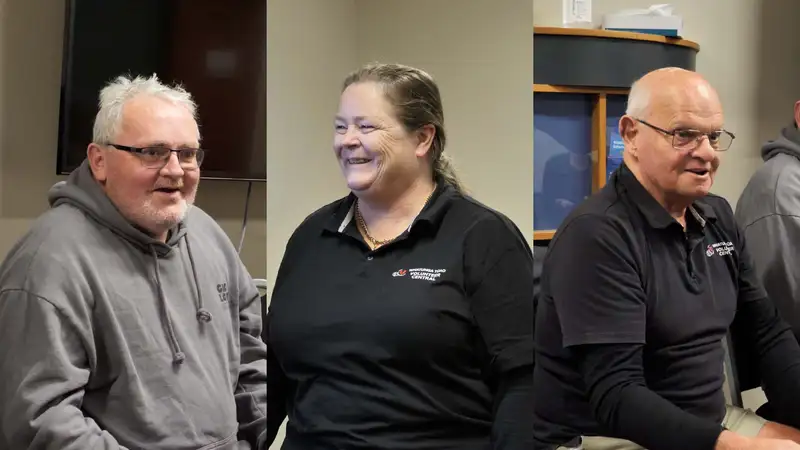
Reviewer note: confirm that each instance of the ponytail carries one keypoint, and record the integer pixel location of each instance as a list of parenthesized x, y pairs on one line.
[(444, 169)]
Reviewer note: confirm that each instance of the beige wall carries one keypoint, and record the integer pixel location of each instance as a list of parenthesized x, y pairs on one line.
[(31, 37), (756, 71), (311, 46), (482, 62)]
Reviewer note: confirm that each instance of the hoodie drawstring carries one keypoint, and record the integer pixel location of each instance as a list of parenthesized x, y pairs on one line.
[(178, 357), (202, 314)]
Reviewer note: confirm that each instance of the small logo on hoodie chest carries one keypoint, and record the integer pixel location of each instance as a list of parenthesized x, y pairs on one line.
[(222, 290)]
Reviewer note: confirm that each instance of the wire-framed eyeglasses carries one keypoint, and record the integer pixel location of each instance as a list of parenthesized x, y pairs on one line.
[(686, 139), (157, 157)]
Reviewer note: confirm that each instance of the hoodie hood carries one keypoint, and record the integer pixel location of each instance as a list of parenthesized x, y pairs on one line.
[(788, 142), (81, 190)]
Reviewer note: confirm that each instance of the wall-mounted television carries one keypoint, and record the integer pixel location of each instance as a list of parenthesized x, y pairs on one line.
[(215, 49)]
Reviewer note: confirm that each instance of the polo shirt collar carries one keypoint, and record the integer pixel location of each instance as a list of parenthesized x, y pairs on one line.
[(430, 216), (654, 213)]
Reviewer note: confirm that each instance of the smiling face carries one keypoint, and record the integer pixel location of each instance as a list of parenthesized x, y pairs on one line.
[(375, 152), (685, 173), (155, 199)]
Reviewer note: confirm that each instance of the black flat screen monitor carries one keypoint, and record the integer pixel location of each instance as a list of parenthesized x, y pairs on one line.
[(215, 49)]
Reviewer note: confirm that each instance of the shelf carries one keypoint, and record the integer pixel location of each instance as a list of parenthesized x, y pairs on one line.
[(578, 57), (578, 89), (577, 106), (609, 34)]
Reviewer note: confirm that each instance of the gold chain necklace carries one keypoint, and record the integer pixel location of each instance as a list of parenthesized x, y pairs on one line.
[(375, 243)]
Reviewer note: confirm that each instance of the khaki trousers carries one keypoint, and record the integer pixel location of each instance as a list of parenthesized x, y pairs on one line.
[(740, 421)]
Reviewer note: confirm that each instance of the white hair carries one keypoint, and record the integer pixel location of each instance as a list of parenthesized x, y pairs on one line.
[(638, 100), (123, 89)]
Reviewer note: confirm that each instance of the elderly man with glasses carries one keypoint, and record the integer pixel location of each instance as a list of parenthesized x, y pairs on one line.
[(127, 319), (640, 286)]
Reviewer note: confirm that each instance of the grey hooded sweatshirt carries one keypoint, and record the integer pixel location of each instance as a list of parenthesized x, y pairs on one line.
[(768, 212), (110, 339)]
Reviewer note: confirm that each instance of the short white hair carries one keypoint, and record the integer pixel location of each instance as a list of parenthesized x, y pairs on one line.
[(123, 89), (638, 100)]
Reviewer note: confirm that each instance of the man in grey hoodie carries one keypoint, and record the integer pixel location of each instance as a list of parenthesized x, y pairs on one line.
[(769, 213), (127, 320)]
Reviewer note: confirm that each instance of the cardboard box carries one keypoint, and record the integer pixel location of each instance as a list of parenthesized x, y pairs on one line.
[(644, 23)]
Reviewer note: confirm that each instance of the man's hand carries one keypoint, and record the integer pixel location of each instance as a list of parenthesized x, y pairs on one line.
[(774, 430), (772, 444), (729, 440)]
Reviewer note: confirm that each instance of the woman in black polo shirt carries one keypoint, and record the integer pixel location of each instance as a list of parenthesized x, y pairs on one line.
[(402, 314)]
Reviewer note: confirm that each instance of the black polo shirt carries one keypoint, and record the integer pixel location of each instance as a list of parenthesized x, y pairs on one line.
[(424, 343), (632, 316)]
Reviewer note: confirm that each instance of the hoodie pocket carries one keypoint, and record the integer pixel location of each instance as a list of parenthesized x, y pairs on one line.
[(229, 443)]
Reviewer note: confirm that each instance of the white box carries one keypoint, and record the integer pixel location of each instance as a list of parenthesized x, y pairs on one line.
[(644, 22)]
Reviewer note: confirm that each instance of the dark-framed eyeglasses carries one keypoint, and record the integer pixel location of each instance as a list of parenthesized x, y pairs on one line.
[(688, 139), (158, 156)]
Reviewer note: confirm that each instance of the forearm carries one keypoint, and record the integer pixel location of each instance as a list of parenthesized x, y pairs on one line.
[(513, 412), (629, 410), (642, 416)]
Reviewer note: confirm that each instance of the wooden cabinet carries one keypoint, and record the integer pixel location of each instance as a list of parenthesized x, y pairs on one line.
[(581, 82)]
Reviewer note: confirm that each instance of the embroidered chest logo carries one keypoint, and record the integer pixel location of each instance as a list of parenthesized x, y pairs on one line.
[(222, 290), (720, 248), (420, 274)]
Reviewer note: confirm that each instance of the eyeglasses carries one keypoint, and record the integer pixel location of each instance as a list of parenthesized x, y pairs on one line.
[(158, 157), (688, 139)]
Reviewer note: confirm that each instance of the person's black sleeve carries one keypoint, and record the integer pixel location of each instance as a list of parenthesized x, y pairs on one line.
[(277, 387), (622, 401), (759, 323), (594, 280), (499, 283)]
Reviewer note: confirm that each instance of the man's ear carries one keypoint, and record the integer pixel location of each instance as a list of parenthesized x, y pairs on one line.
[(425, 136), (628, 130), (97, 161), (797, 114)]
